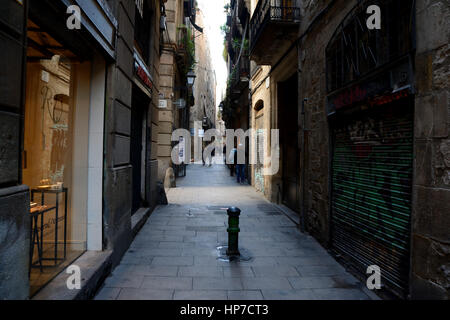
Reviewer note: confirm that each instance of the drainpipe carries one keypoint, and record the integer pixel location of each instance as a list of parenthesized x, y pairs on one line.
[(304, 131)]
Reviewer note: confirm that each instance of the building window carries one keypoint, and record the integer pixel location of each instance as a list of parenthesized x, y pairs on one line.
[(143, 28), (259, 105), (355, 51)]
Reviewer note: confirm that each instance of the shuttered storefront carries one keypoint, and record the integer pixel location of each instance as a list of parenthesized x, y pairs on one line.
[(372, 185)]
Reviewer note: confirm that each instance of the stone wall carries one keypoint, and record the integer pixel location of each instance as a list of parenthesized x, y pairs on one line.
[(166, 115), (430, 250), (14, 198), (312, 86), (118, 170), (12, 14), (260, 85), (117, 182), (205, 83), (169, 87), (14, 243), (153, 122), (431, 214)]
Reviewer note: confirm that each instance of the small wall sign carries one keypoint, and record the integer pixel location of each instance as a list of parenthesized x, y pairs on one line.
[(163, 104)]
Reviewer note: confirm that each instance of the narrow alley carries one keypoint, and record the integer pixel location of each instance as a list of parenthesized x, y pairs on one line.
[(175, 254), (333, 115)]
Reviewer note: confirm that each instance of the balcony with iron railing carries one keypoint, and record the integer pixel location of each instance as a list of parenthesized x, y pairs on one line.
[(273, 26), (240, 75), (185, 48)]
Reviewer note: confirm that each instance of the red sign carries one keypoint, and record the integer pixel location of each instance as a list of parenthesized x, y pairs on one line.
[(378, 101), (141, 70), (349, 97)]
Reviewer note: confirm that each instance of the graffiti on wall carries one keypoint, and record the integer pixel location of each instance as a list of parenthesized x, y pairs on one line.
[(372, 181), (259, 177)]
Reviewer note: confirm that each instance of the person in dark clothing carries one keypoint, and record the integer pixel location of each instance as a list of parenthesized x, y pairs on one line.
[(240, 173), (240, 168), (224, 153), (203, 153), (212, 155)]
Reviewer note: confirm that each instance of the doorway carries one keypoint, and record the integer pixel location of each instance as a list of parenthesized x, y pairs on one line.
[(288, 116), (138, 159)]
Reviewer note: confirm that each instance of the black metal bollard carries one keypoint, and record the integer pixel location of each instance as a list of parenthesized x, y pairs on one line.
[(233, 231)]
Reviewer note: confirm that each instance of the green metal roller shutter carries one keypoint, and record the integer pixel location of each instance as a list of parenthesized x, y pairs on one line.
[(372, 185)]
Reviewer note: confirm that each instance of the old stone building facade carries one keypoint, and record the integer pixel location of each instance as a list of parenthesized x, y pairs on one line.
[(416, 72), (202, 115), (364, 131), (205, 87), (236, 103), (79, 125), (274, 96), (132, 121), (260, 119), (176, 96), (236, 111), (261, 93)]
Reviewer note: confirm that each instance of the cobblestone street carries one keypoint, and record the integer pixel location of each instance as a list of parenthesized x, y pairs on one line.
[(175, 254)]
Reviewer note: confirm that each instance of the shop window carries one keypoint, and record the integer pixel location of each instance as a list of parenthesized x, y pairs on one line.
[(56, 154)]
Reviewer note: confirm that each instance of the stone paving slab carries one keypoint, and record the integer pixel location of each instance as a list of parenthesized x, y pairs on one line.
[(200, 271), (323, 282), (175, 254), (173, 261), (167, 283), (266, 283), (159, 271), (200, 295), (333, 270), (340, 294), (145, 294), (245, 295), (219, 283), (128, 280), (305, 294), (237, 272), (279, 271)]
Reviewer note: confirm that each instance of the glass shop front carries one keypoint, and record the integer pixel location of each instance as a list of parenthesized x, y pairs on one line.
[(55, 160)]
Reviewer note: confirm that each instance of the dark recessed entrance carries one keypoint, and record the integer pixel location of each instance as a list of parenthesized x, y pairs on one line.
[(288, 116), (138, 144)]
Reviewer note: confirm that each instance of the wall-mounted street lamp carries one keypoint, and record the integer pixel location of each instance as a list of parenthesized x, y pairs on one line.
[(191, 78)]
